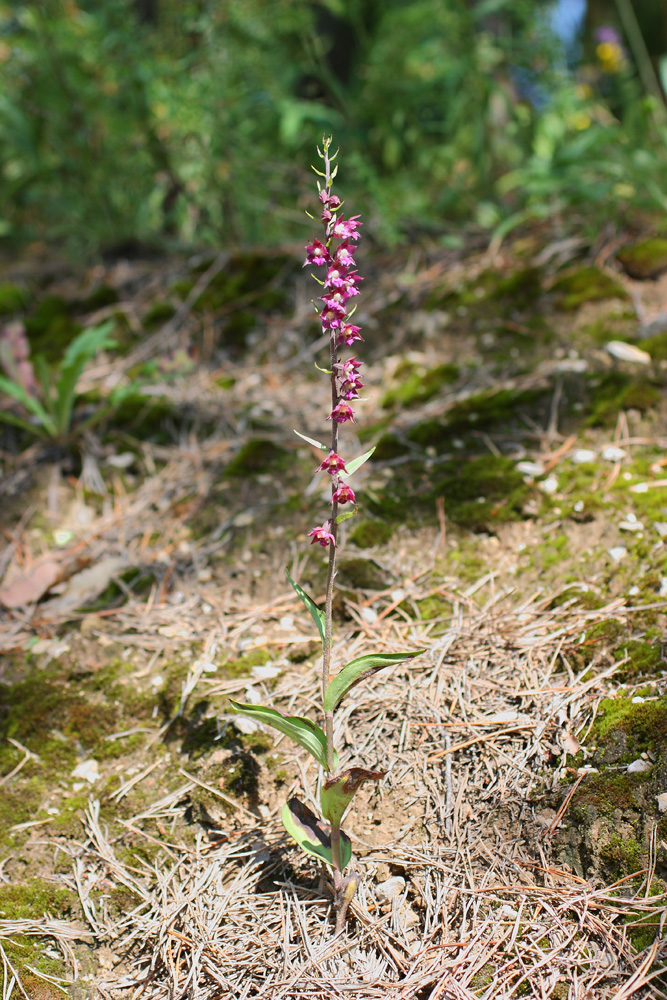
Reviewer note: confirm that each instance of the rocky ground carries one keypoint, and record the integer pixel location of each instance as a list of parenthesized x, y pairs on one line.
[(512, 521)]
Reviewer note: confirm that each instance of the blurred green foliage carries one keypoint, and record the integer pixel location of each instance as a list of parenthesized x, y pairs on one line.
[(145, 120)]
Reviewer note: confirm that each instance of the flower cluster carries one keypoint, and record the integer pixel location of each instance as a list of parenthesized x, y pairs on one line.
[(340, 284)]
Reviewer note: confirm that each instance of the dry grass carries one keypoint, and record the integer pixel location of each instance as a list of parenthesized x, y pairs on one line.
[(478, 906)]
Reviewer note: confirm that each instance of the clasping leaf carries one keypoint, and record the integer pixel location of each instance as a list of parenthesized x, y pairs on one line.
[(304, 732), (357, 670), (337, 792), (313, 834)]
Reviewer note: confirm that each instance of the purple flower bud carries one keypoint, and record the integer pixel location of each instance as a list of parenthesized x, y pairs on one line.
[(343, 494), (331, 464), (322, 535), (341, 413)]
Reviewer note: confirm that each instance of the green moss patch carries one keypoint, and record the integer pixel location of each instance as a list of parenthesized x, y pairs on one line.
[(13, 298), (368, 534), (479, 494), (586, 284), (420, 386), (362, 573), (645, 259), (639, 728), (256, 456), (617, 391)]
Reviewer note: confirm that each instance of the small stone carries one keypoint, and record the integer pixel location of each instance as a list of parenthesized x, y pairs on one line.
[(639, 766), (286, 623), (549, 485), (397, 595), (661, 528), (582, 455), (662, 802), (613, 454), (578, 506), (391, 888), (627, 352), (265, 672), (618, 552), (663, 587), (530, 469), (631, 524), (369, 615), (638, 700), (634, 590), (89, 770), (245, 725)]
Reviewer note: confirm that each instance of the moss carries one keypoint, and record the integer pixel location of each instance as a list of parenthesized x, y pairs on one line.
[(643, 725), (617, 325), (13, 298), (495, 408), (617, 391), (388, 447), (144, 416), (367, 534), (364, 574), (483, 977), (523, 285), (35, 899), (656, 346), (103, 295), (586, 284), (434, 608), (158, 314), (644, 660), (256, 456), (604, 793), (645, 259), (242, 667), (420, 386), (50, 328), (621, 856), (479, 493)]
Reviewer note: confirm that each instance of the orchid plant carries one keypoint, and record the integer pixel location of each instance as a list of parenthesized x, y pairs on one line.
[(323, 837)]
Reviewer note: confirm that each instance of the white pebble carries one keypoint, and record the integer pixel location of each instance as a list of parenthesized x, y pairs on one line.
[(89, 770), (531, 469), (613, 454), (618, 552), (549, 485), (390, 888), (582, 455), (639, 766), (369, 615), (265, 672), (662, 802), (578, 506)]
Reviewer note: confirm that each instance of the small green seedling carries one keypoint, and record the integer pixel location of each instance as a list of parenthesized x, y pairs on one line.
[(323, 837), (47, 395)]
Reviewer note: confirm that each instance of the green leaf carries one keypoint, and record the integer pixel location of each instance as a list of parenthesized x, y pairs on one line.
[(313, 835), (344, 516), (337, 792), (304, 732), (25, 425), (81, 350), (316, 612), (316, 444), (357, 670), (30, 403), (356, 463)]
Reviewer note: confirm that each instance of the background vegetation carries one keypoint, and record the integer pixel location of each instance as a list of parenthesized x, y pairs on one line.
[(152, 120)]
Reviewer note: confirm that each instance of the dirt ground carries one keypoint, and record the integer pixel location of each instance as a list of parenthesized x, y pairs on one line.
[(511, 523)]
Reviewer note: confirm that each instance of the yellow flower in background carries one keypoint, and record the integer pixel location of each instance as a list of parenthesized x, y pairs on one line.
[(579, 120), (610, 56)]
